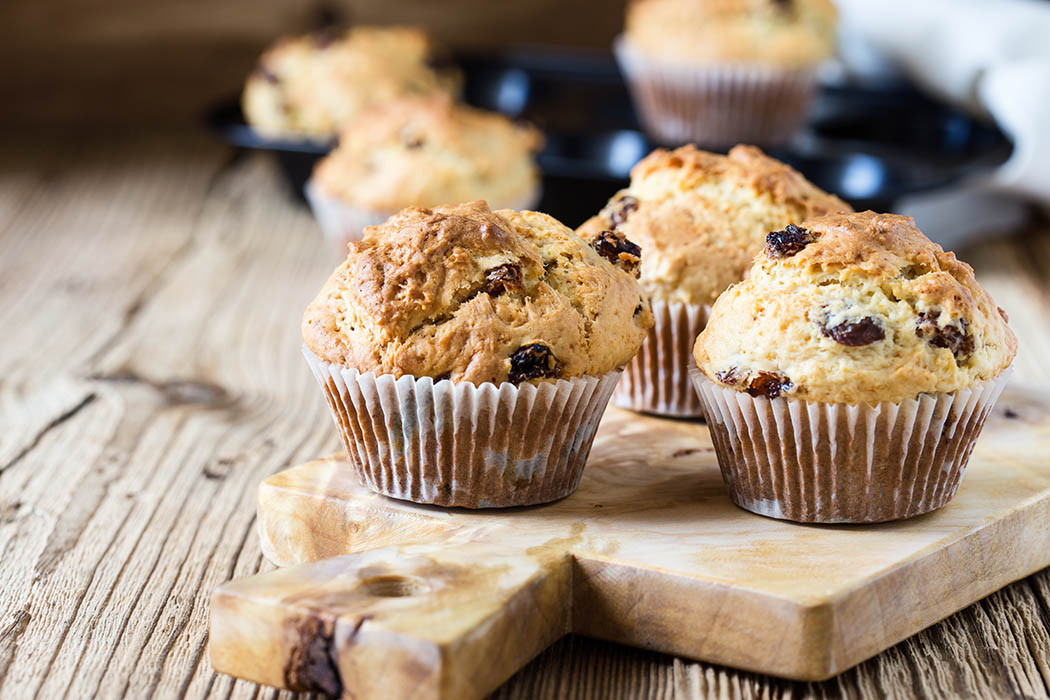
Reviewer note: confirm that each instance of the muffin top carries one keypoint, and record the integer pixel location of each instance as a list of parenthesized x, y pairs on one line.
[(427, 151), (787, 33), (312, 85), (468, 294), (700, 217), (853, 308)]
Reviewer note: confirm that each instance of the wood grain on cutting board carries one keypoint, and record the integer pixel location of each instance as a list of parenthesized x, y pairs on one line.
[(648, 552)]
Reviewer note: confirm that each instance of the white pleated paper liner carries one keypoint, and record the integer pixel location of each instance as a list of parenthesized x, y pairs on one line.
[(342, 223), (657, 379), (716, 104), (457, 444), (838, 463)]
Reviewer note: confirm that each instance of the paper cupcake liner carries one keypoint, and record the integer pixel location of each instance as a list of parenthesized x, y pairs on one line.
[(457, 444), (716, 104), (342, 223), (838, 463), (657, 379)]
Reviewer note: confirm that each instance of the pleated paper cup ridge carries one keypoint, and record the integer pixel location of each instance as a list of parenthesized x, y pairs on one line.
[(457, 444), (838, 463), (716, 104), (342, 223), (657, 379)]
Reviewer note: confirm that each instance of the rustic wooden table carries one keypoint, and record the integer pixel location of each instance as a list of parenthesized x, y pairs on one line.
[(150, 377)]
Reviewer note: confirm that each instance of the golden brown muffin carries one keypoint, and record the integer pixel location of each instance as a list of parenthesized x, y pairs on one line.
[(312, 85), (784, 33), (429, 151), (700, 217), (854, 308), (468, 294)]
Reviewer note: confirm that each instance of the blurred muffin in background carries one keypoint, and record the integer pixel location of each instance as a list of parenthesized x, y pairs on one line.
[(310, 86), (720, 72), (699, 219), (425, 152)]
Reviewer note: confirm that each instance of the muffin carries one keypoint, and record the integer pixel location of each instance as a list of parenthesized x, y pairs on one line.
[(848, 377), (699, 218), (467, 355), (310, 86), (718, 72), (422, 151)]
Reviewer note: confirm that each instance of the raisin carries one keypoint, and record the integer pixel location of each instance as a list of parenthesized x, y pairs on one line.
[(413, 143), (267, 75), (622, 207), (855, 333), (790, 241), (443, 377), (440, 59), (954, 337), (727, 376), (502, 278), (769, 384), (638, 309), (324, 38), (615, 248), (532, 362)]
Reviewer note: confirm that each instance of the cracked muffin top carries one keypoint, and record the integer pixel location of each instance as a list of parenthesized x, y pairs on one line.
[(469, 294), (429, 151), (312, 85), (700, 217), (854, 308), (788, 33)]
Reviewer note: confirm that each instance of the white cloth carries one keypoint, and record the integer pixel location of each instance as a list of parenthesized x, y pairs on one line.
[(990, 56)]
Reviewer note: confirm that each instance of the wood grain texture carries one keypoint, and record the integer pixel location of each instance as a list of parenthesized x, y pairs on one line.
[(150, 379)]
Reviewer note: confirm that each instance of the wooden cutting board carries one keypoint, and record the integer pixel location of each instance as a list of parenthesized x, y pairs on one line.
[(388, 599)]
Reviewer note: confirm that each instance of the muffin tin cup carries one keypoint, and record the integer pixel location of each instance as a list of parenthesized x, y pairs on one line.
[(342, 223), (657, 380), (837, 463), (456, 444), (716, 104)]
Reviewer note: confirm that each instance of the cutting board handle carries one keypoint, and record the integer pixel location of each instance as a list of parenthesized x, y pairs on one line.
[(420, 621)]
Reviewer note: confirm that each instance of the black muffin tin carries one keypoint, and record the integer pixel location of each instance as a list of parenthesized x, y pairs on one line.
[(870, 146)]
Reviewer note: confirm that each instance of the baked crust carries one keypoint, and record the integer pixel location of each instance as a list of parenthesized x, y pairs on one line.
[(791, 34), (700, 217), (456, 292), (311, 85), (427, 151), (855, 308)]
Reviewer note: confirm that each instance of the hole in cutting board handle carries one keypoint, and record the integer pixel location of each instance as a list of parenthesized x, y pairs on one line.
[(393, 586)]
